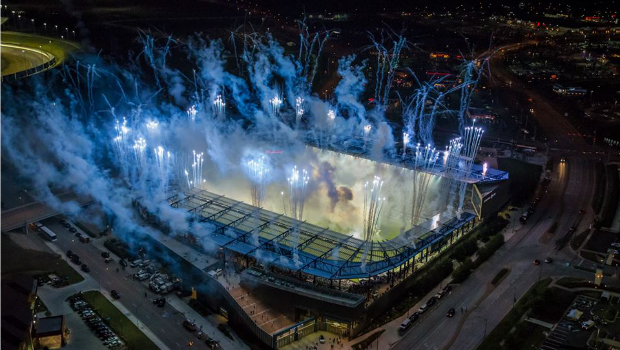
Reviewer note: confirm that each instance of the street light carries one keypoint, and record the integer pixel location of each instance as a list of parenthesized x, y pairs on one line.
[(45, 25), (34, 31)]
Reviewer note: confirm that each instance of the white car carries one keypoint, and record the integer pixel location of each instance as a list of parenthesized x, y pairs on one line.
[(423, 308)]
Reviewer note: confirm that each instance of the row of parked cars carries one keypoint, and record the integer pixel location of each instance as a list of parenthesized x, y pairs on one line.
[(82, 237), (95, 322), (425, 307), (76, 260), (191, 326)]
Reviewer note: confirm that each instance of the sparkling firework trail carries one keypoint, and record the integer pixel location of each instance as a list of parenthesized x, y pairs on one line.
[(275, 103), (197, 169), (373, 207), (219, 107), (425, 159), (297, 187), (258, 171), (406, 139), (472, 138), (331, 114), (191, 113), (299, 111), (139, 147)]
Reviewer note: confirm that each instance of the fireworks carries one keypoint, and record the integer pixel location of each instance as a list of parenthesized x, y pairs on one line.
[(331, 114), (275, 103), (191, 113), (219, 107), (258, 170), (297, 187), (373, 206), (152, 125), (299, 110), (425, 159), (406, 139), (472, 139)]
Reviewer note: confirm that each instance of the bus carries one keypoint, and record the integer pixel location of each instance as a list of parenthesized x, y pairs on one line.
[(51, 235)]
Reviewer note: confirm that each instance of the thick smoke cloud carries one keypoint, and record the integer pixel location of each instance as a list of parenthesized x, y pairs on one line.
[(114, 132)]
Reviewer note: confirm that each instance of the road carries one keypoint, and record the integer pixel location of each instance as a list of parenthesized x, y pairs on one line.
[(569, 192), (35, 211), (164, 323)]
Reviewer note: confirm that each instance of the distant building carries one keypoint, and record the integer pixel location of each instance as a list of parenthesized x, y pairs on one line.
[(481, 115), (569, 91), (436, 55), (19, 294)]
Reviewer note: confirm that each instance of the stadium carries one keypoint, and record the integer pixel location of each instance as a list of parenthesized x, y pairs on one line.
[(331, 276)]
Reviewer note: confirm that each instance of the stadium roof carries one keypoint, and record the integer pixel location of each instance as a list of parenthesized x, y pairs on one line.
[(298, 245), (356, 147)]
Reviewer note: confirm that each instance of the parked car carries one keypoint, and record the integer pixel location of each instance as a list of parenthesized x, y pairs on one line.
[(84, 239), (73, 230), (85, 268), (161, 302), (587, 324), (76, 259), (115, 294), (423, 309), (190, 326), (105, 255), (69, 254), (431, 301), (414, 316)]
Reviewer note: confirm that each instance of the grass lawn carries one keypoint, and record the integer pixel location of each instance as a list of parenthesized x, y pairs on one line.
[(526, 336), (591, 256), (61, 49), (130, 333), (552, 312), (16, 259), (502, 330)]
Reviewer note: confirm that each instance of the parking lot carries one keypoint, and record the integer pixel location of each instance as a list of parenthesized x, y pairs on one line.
[(571, 330), (134, 296), (96, 324)]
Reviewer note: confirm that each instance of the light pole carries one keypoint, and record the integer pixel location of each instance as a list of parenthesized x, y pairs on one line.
[(67, 31), (34, 31), (45, 26), (56, 26)]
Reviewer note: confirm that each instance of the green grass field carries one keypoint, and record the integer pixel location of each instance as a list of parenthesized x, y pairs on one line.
[(129, 332), (16, 259), (61, 49)]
